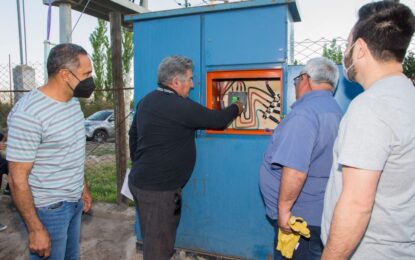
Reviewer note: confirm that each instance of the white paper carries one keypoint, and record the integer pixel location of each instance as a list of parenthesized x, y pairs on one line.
[(125, 190)]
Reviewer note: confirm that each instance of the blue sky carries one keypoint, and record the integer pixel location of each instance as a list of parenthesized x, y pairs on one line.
[(320, 18)]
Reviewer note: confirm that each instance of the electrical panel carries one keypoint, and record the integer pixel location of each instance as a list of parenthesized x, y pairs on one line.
[(260, 92)]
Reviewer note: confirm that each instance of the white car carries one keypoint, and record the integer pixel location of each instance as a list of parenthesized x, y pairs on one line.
[(100, 125)]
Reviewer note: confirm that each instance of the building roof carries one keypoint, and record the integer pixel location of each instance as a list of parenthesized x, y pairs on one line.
[(292, 7)]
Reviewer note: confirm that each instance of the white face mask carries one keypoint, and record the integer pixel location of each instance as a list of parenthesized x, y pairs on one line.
[(346, 69)]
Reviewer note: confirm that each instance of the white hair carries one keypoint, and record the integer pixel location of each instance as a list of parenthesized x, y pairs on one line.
[(322, 70)]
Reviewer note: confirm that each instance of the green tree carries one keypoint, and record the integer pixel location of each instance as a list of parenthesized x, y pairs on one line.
[(108, 75), (127, 50), (409, 65), (102, 60), (127, 57), (99, 40), (333, 52)]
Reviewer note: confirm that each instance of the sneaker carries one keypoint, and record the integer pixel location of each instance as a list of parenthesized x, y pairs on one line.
[(2, 227)]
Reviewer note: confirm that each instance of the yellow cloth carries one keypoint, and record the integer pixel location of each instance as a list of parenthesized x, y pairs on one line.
[(288, 242)]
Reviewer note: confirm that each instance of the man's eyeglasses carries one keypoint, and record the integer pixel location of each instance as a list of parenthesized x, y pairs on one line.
[(298, 78)]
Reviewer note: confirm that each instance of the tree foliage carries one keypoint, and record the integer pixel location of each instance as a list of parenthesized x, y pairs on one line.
[(108, 79), (333, 52), (127, 57), (102, 60), (99, 40), (127, 50), (409, 65)]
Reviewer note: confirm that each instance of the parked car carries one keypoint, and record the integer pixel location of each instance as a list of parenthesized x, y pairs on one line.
[(100, 125)]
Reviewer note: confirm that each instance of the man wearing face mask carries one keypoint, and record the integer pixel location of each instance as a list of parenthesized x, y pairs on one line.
[(163, 151), (369, 206), (46, 152)]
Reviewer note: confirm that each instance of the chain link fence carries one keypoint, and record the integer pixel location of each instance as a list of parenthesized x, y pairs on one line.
[(100, 163), (307, 49)]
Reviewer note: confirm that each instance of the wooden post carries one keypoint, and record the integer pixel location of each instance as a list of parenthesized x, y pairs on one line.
[(119, 108)]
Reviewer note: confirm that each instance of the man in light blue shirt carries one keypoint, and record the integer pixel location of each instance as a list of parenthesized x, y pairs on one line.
[(297, 162)]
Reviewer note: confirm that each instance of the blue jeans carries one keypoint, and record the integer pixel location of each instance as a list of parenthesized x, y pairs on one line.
[(308, 248), (63, 223)]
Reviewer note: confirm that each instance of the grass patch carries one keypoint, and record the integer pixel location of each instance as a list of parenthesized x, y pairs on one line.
[(102, 182), (103, 151)]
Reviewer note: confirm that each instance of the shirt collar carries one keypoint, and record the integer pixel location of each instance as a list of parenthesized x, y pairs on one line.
[(312, 94), (167, 89)]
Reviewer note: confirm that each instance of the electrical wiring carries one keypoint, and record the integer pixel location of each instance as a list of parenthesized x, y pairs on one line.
[(259, 89), (252, 106), (251, 109), (263, 102), (247, 127), (79, 18)]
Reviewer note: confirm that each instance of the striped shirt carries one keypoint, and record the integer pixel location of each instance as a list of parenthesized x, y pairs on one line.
[(50, 134)]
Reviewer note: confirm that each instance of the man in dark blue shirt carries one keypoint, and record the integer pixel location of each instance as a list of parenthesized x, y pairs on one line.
[(297, 162), (163, 152)]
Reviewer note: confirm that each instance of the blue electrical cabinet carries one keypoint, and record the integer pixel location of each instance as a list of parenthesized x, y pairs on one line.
[(223, 212)]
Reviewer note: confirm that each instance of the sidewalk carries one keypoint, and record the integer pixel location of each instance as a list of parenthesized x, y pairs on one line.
[(106, 234)]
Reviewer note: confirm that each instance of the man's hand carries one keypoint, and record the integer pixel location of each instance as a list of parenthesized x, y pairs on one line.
[(283, 219), (39, 242), (86, 200), (241, 107)]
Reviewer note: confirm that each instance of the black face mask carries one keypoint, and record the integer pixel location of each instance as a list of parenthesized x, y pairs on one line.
[(84, 88)]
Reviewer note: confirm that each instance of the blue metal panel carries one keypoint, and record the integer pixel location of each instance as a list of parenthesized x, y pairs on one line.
[(345, 91), (223, 211), (246, 36), (156, 39)]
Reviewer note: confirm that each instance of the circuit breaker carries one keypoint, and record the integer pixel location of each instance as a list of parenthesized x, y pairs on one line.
[(259, 90)]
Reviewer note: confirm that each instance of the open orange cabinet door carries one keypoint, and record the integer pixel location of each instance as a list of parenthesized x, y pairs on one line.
[(259, 90)]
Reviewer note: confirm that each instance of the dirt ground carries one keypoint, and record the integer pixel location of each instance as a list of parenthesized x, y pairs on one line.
[(106, 234)]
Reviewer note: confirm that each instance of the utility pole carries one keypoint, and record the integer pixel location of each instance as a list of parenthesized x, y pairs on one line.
[(24, 33), (65, 23), (119, 104), (19, 19)]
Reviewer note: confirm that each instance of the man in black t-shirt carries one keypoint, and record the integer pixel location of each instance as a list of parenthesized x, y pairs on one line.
[(163, 152)]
